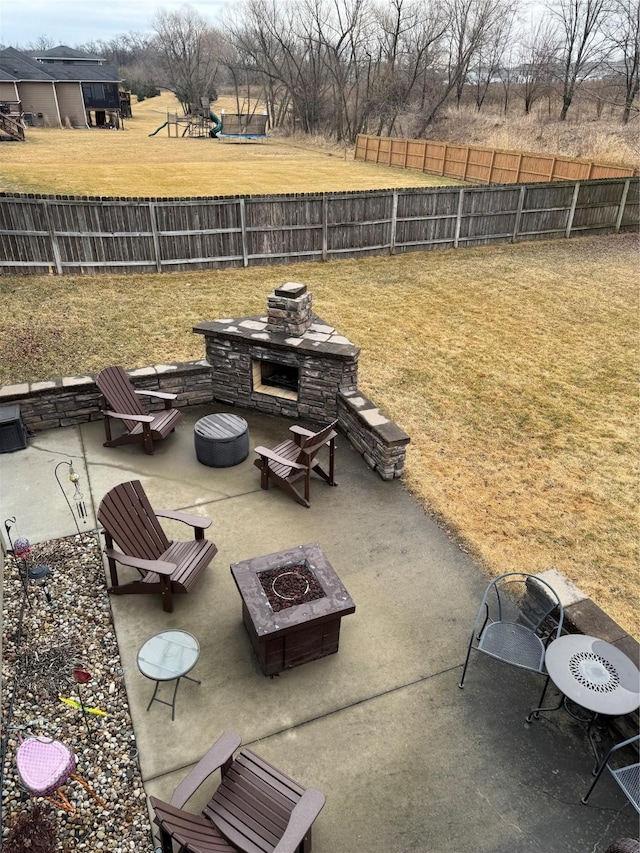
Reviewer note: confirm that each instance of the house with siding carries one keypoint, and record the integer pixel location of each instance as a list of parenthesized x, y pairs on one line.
[(61, 87)]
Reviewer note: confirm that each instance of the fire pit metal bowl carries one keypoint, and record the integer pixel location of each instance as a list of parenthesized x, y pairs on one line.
[(297, 633)]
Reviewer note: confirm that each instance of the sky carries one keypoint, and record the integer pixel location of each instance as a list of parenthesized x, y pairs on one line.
[(74, 22)]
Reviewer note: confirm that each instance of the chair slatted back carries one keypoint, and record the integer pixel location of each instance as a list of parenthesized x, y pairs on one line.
[(127, 516), (253, 803), (310, 446), (115, 386)]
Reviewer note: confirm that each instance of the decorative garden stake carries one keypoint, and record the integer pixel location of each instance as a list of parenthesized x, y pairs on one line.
[(81, 507), (80, 676), (40, 574), (21, 550), (73, 703)]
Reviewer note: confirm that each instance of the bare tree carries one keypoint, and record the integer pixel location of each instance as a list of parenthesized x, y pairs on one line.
[(411, 42), (41, 44), (340, 29), (489, 61), (190, 52), (137, 57), (623, 30), (124, 49), (280, 43), (583, 43), (537, 58), (469, 23)]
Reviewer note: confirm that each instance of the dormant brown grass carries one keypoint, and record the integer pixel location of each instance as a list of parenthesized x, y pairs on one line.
[(512, 368)]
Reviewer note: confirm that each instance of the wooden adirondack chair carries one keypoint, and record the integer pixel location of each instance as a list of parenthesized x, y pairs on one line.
[(164, 566), (122, 401), (256, 808), (295, 459)]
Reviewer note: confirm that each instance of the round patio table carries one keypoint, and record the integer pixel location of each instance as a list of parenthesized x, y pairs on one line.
[(593, 674), (167, 656)]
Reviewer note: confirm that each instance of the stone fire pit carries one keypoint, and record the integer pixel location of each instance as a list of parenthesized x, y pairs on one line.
[(292, 604)]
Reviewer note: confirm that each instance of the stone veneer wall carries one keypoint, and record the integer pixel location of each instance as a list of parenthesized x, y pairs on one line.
[(320, 375), (75, 399), (381, 442)]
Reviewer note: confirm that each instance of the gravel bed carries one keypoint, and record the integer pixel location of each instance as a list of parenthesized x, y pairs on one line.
[(74, 631)]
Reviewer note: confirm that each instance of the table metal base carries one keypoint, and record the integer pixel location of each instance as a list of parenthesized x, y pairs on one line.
[(171, 704), (564, 703)]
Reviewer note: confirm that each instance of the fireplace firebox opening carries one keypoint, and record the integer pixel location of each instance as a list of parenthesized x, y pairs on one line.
[(279, 380)]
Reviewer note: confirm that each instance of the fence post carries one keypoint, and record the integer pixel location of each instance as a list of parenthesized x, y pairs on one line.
[(458, 218), (243, 228), (572, 209), (393, 224), (623, 204), (517, 180), (325, 226), (55, 248), (493, 157), (516, 224), (424, 155), (154, 234), (466, 162)]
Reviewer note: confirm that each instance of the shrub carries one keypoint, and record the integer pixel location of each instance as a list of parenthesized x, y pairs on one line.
[(35, 831)]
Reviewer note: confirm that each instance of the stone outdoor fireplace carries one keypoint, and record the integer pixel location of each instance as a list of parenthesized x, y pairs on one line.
[(289, 362)]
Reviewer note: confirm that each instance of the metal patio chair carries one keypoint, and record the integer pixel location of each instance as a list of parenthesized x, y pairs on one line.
[(519, 615), (627, 776)]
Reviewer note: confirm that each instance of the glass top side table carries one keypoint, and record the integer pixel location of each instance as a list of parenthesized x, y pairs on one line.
[(168, 656)]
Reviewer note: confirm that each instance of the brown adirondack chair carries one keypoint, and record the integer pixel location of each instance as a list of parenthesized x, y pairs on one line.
[(256, 808), (294, 459), (165, 567), (121, 401)]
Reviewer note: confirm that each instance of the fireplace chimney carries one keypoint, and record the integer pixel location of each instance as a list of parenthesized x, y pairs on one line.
[(289, 309)]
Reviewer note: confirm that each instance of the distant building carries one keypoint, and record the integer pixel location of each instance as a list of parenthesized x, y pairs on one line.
[(61, 87)]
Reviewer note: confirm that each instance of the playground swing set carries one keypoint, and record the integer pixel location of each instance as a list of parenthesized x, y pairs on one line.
[(228, 127)]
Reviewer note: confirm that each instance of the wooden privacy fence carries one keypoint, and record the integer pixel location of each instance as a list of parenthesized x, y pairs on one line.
[(480, 165), (67, 235)]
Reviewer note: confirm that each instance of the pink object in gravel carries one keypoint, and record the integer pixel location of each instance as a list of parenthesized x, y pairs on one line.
[(44, 765)]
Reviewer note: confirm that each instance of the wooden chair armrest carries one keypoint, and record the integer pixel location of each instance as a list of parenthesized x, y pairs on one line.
[(191, 520), (312, 448), (158, 566), (264, 451), (221, 751), (302, 817), (143, 419), (298, 430), (301, 432), (161, 395)]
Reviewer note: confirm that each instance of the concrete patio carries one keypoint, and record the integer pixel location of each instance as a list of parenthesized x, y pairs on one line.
[(407, 761)]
